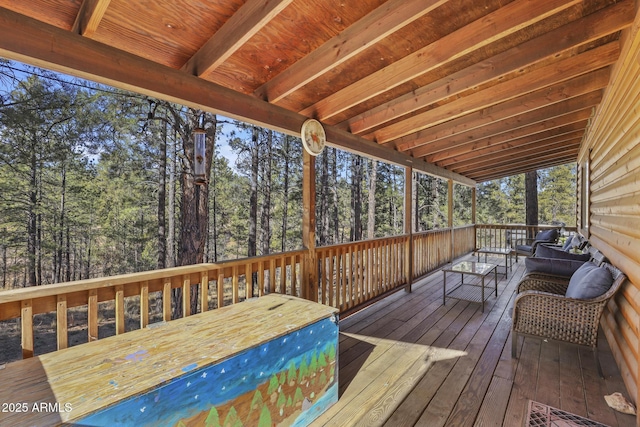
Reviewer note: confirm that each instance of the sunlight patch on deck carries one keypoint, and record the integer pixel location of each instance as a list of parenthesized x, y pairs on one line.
[(376, 382)]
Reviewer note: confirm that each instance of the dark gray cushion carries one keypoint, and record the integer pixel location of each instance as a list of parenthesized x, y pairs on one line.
[(589, 281), (552, 266), (547, 235), (544, 251)]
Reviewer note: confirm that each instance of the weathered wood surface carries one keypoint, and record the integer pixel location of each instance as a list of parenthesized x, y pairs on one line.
[(456, 365), (98, 374)]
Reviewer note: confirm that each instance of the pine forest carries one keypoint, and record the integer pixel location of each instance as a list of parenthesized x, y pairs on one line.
[(96, 181)]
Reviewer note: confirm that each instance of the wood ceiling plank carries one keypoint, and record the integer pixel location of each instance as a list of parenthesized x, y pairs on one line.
[(548, 45), (529, 118), (559, 93), (591, 60), (247, 21), (517, 148), (482, 32), (89, 17), (559, 161), (453, 154), (515, 168), (526, 153), (36, 43), (366, 32)]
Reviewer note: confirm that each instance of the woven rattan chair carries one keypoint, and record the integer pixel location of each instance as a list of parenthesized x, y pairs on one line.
[(541, 310)]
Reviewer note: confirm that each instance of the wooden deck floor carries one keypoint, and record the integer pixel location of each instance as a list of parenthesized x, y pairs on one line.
[(410, 360)]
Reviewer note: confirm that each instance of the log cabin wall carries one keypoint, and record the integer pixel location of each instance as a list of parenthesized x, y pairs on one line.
[(608, 200)]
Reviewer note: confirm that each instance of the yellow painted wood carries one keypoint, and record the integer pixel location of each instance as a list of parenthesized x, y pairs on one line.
[(204, 291), (84, 375), (260, 278), (186, 295), (220, 288), (61, 322), (235, 285)]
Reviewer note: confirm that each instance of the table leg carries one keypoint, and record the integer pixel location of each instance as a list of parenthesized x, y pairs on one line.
[(495, 278), (444, 289), (483, 293)]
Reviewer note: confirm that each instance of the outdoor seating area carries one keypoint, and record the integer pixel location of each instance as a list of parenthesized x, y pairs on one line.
[(410, 360)]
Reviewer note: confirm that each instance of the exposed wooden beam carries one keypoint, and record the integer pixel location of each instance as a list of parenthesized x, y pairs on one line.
[(89, 17), (506, 139), (529, 148), (561, 92), (482, 32), (548, 150), (483, 177), (33, 42), (244, 24), (539, 116), (569, 68), (366, 32), (514, 168), (548, 45)]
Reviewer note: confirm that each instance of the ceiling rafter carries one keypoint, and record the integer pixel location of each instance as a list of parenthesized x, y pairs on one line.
[(566, 69), (475, 147), (547, 45), (89, 16), (528, 119), (505, 149), (482, 32), (244, 24), (366, 32)]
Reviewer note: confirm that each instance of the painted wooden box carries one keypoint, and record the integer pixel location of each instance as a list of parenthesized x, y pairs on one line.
[(266, 361)]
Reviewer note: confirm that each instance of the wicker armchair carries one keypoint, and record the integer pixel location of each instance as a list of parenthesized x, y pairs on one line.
[(542, 310)]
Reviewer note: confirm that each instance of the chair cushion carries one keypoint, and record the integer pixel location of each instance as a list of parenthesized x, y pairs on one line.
[(524, 249), (552, 266), (568, 244), (547, 235), (544, 251), (589, 281)]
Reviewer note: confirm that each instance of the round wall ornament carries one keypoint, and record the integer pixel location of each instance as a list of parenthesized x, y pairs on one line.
[(313, 136)]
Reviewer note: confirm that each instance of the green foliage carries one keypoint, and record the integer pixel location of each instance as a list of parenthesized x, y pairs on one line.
[(322, 361), (265, 417), (298, 396), (331, 353), (282, 400), (273, 384), (232, 419), (213, 419), (303, 371), (291, 374)]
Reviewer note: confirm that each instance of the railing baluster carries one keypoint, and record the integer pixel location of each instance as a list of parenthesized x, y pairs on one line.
[(235, 285), (92, 315), (186, 295), (204, 291), (61, 322), (119, 298), (166, 300), (220, 287), (144, 304), (26, 320)]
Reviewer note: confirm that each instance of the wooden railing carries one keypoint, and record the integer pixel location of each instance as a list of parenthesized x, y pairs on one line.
[(349, 275), (506, 235), (217, 285)]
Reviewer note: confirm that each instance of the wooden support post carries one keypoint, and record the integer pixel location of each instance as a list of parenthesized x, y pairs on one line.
[(309, 284), (166, 300), (450, 214), (61, 322), (186, 295), (408, 226), (26, 317)]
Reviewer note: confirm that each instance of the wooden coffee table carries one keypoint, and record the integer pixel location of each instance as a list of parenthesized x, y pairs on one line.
[(473, 292)]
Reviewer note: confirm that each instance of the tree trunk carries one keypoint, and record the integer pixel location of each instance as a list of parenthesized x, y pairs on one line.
[(531, 199), (61, 225), (265, 218), (371, 216), (356, 198), (32, 222), (285, 195), (336, 216), (195, 205), (162, 194), (171, 201), (323, 213), (252, 249)]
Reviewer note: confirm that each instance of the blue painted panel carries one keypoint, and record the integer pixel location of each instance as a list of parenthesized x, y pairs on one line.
[(290, 380)]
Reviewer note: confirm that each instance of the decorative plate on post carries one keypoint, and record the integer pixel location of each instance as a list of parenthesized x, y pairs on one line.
[(313, 136)]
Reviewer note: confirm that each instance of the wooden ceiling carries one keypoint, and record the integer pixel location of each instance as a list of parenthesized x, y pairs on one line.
[(481, 89)]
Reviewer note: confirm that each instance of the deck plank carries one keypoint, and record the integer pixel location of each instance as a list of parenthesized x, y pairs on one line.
[(410, 360)]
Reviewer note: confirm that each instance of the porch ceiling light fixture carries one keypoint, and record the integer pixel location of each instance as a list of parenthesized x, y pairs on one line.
[(199, 156), (313, 137)]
